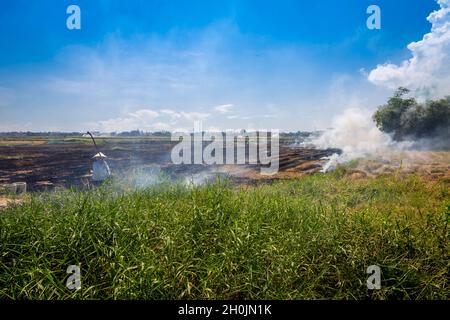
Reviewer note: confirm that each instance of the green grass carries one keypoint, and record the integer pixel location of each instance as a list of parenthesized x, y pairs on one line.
[(302, 239)]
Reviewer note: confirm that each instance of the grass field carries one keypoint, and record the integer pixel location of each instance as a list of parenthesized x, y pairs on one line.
[(40, 140), (100, 140), (309, 238)]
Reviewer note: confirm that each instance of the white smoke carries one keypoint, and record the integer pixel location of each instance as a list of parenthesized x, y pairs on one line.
[(356, 135), (428, 70)]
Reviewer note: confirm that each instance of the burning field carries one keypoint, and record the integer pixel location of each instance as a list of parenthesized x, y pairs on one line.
[(303, 233), (47, 165), (63, 164)]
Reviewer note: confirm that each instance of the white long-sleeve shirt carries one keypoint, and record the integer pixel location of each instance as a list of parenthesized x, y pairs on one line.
[(100, 170)]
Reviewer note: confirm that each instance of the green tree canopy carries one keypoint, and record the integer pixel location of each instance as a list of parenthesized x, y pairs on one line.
[(405, 118)]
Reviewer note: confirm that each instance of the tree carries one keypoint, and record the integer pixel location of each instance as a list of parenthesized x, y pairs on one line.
[(406, 118)]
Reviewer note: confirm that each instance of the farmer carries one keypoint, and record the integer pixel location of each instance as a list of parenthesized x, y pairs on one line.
[(100, 169)]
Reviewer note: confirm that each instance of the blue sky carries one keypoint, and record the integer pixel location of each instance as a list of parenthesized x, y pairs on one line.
[(290, 65)]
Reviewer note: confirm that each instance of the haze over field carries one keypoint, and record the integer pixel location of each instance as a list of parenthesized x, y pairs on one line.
[(100, 200), (426, 73), (149, 66)]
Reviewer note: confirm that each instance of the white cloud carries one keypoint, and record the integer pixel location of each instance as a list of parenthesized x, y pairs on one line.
[(224, 108), (140, 119), (429, 68), (144, 114), (194, 116), (173, 114), (144, 119), (186, 116)]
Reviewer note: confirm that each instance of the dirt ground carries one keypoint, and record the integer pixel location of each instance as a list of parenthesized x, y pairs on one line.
[(296, 162), (44, 166), (429, 164)]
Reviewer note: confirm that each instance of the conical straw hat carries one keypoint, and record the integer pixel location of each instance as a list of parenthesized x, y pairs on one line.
[(99, 155)]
